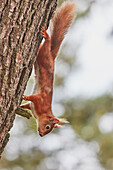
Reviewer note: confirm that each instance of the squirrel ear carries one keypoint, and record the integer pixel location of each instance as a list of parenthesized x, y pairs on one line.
[(55, 120), (58, 126), (61, 120)]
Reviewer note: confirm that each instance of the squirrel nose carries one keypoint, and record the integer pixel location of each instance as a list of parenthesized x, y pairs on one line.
[(41, 134)]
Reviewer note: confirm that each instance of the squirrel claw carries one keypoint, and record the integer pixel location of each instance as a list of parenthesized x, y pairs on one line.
[(43, 31), (43, 34), (24, 97), (44, 28)]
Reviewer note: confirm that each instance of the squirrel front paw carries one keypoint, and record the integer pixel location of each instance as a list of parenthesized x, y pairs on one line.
[(43, 32), (25, 97)]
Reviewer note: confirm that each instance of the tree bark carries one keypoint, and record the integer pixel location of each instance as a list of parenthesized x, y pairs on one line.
[(20, 22)]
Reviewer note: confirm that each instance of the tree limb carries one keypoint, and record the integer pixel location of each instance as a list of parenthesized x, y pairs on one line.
[(23, 112)]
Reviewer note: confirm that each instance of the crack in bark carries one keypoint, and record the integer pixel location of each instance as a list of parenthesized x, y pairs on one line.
[(2, 12)]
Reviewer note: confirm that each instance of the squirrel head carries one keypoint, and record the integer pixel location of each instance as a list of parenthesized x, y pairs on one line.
[(47, 123)]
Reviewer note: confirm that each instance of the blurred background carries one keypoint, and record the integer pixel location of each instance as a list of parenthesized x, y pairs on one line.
[(83, 94)]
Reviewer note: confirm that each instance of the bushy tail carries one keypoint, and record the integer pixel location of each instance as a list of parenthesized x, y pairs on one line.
[(60, 23)]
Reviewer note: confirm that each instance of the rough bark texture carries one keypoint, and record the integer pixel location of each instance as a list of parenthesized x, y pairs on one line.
[(20, 22)]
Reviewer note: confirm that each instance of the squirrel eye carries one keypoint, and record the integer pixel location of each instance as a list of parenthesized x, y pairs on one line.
[(48, 127)]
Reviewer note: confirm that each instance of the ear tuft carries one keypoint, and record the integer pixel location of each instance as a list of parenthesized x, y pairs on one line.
[(61, 120)]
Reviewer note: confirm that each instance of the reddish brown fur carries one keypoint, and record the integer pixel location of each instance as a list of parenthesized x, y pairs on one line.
[(60, 23), (44, 69)]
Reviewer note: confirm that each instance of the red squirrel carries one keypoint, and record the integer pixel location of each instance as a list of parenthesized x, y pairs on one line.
[(41, 100)]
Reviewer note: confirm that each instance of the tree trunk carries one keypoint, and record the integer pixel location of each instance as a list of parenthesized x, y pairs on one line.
[(20, 22)]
